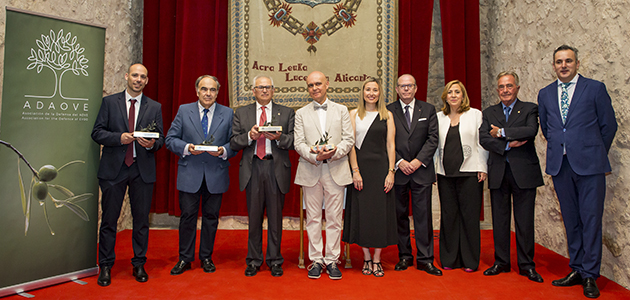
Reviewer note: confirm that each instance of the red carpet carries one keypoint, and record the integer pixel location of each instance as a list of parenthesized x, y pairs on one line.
[(229, 281)]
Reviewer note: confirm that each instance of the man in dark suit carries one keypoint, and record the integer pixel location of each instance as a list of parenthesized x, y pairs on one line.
[(578, 121), (416, 141), (265, 171), (508, 132), (201, 175), (126, 161)]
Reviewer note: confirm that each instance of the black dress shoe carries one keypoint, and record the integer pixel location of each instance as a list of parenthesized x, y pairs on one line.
[(105, 277), (574, 278), (251, 270), (531, 275), (429, 268), (590, 288), (403, 264), (276, 270), (208, 265), (140, 274), (180, 267), (496, 270)]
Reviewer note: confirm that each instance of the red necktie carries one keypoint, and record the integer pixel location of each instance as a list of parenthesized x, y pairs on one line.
[(132, 123), (261, 142)]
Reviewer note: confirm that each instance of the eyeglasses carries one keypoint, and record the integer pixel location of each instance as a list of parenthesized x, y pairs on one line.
[(407, 86), (264, 87), (507, 86)]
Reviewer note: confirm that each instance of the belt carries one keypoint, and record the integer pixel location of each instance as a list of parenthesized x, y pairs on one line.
[(266, 157), (325, 161)]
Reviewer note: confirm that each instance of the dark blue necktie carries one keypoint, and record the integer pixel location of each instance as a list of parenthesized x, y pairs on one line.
[(204, 123), (506, 111), (407, 116)]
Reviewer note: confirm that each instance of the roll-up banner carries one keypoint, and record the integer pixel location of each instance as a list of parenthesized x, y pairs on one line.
[(53, 86)]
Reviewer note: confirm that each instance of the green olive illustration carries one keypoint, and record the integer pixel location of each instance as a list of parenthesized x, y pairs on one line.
[(40, 190), (47, 173)]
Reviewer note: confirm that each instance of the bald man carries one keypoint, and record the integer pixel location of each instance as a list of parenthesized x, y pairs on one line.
[(127, 161), (323, 173)]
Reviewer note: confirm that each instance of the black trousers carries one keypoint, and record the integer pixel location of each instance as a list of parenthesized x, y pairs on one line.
[(422, 221), (113, 194), (523, 201), (263, 194), (460, 205), (189, 205)]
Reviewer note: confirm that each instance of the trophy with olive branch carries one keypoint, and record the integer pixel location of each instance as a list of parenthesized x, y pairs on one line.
[(149, 132), (269, 127), (40, 186), (322, 144), (206, 145)]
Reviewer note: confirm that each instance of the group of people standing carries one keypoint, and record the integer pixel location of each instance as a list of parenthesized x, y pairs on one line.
[(387, 157)]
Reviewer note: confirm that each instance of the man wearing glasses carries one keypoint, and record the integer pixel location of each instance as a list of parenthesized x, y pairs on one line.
[(416, 142), (323, 172), (265, 171)]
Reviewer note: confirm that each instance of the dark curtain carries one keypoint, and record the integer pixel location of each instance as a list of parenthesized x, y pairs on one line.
[(186, 39)]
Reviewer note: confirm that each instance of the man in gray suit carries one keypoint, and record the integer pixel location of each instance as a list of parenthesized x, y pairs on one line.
[(201, 175), (323, 172), (265, 171), (127, 161)]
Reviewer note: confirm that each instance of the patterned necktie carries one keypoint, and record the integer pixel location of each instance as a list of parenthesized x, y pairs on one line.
[(506, 111), (132, 124), (260, 143), (323, 106), (407, 116), (564, 101), (204, 123)]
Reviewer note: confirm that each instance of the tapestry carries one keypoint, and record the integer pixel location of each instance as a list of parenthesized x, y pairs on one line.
[(347, 40)]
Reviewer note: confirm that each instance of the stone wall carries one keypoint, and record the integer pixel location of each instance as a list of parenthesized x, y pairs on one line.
[(521, 35), (123, 39)]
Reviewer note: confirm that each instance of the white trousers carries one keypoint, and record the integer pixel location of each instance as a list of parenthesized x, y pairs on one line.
[(327, 192)]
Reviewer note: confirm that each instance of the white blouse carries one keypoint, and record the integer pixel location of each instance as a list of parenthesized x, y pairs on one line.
[(362, 126)]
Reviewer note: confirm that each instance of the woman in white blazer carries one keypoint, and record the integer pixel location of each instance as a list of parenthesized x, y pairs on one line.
[(460, 164)]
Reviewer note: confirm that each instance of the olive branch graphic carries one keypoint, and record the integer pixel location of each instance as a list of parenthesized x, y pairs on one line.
[(39, 188), (59, 53)]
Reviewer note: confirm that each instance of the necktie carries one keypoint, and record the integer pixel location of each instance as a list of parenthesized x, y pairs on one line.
[(564, 101), (260, 143), (407, 116), (204, 123), (324, 106), (132, 124), (506, 111)]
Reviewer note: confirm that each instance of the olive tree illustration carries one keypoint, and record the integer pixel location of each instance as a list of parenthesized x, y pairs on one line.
[(60, 53), (39, 189)]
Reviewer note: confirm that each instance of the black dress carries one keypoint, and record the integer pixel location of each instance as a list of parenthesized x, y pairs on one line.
[(370, 215)]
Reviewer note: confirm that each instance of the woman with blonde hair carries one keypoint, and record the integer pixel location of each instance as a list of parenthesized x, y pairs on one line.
[(460, 164), (370, 219)]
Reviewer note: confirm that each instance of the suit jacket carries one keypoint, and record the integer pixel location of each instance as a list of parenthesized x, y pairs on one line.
[(308, 131), (475, 156), (110, 124), (186, 129), (588, 131), (522, 125), (420, 141), (244, 119)]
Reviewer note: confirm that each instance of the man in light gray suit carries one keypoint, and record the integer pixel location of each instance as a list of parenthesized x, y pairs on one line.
[(265, 171), (323, 172), (201, 175)]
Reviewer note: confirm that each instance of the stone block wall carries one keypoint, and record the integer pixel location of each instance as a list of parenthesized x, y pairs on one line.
[(123, 40), (521, 35)]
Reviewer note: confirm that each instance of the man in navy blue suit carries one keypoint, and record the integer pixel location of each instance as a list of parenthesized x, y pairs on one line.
[(127, 161), (578, 121), (202, 176)]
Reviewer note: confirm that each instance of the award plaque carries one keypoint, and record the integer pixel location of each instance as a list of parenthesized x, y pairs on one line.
[(149, 132), (146, 134), (322, 144), (206, 145), (270, 128)]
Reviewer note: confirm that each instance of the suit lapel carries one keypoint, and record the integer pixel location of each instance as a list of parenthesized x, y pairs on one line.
[(122, 106), (143, 110), (195, 120), (577, 94), (310, 112), (417, 112), (401, 116), (217, 119), (515, 114)]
